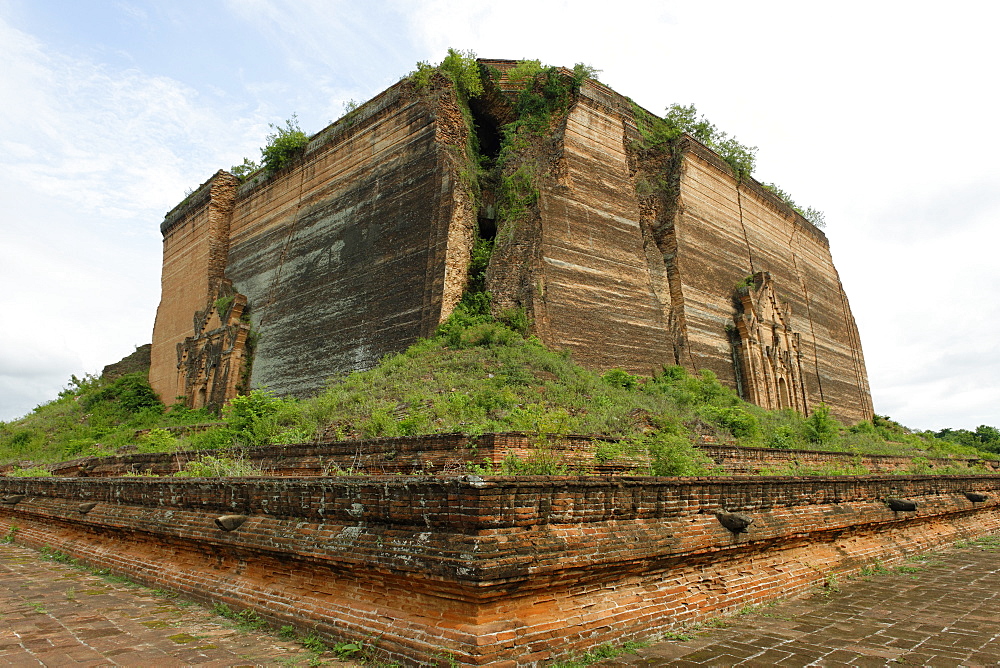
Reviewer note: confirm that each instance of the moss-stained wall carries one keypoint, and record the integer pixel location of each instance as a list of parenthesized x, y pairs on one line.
[(353, 252)]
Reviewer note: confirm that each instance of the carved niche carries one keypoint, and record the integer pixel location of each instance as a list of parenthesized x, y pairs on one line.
[(214, 364), (766, 350)]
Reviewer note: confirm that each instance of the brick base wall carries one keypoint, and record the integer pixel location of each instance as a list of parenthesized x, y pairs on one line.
[(498, 571)]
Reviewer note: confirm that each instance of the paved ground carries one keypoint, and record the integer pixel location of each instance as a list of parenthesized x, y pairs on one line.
[(943, 610), (52, 614)]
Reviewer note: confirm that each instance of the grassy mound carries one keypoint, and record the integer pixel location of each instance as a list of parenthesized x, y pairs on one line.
[(477, 375)]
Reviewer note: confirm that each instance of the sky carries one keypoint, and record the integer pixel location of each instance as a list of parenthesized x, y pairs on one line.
[(881, 114)]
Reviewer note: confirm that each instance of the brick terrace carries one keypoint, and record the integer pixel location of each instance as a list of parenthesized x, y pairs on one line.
[(944, 614), (498, 571)]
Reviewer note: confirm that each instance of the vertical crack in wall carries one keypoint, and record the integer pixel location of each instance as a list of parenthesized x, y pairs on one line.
[(656, 271), (746, 237), (665, 200)]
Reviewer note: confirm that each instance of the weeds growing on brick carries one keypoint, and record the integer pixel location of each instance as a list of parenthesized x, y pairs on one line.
[(30, 472), (313, 642), (48, 554), (875, 568), (108, 576), (244, 620)]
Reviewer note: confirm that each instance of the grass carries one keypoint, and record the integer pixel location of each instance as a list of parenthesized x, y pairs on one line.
[(876, 568), (49, 554), (476, 375), (990, 543), (93, 417), (600, 653), (113, 578)]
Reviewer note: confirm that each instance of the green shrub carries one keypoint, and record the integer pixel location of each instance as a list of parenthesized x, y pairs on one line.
[(461, 67), (620, 378), (814, 216), (157, 440), (260, 418), (284, 145), (244, 170), (737, 421), (212, 439), (675, 455), (782, 437), (820, 426), (124, 397), (542, 462)]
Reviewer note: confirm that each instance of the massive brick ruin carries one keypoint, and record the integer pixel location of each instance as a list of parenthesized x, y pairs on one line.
[(628, 257)]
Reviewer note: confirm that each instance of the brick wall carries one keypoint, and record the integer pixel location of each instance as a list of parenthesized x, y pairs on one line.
[(499, 571), (444, 453)]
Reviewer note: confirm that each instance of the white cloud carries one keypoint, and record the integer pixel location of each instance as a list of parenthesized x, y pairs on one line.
[(93, 159)]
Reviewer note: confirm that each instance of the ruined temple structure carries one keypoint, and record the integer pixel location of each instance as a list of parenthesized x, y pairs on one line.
[(629, 255)]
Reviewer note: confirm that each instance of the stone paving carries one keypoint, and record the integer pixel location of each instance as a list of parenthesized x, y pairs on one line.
[(941, 610), (52, 614)]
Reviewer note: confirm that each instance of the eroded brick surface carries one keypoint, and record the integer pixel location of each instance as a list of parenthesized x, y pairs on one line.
[(56, 615), (943, 614)]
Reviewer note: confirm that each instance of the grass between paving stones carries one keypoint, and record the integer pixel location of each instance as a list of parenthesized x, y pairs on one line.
[(600, 653), (681, 634)]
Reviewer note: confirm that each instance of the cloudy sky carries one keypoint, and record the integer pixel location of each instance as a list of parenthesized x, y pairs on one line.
[(881, 114)]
